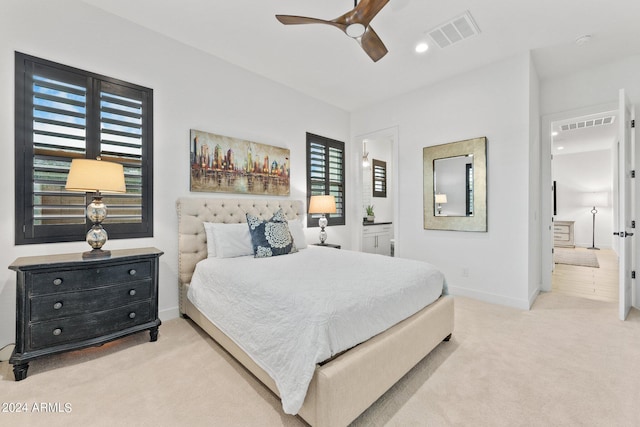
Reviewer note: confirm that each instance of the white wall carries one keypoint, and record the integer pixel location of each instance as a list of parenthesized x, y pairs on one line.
[(593, 86), (493, 101), (575, 175), (535, 193), (191, 90)]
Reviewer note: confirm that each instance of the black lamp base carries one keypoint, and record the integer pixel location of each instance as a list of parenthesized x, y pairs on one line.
[(594, 211)]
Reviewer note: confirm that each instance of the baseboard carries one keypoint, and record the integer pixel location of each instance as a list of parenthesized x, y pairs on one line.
[(588, 245), (521, 304), (533, 295), (169, 313), (5, 352)]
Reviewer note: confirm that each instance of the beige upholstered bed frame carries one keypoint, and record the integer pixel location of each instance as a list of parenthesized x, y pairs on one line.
[(344, 387)]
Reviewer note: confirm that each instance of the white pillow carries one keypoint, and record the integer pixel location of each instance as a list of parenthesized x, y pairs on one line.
[(232, 240), (211, 245), (297, 232)]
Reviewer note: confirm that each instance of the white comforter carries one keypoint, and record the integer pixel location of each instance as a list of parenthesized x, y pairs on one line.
[(290, 312)]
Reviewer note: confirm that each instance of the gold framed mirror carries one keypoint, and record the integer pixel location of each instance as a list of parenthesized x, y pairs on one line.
[(455, 186)]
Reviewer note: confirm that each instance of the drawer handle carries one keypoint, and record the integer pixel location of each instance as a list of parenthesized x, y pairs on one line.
[(132, 315), (132, 272), (57, 306), (57, 331), (57, 281), (132, 292)]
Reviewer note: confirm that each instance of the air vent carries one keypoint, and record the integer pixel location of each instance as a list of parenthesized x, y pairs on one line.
[(455, 30), (600, 121)]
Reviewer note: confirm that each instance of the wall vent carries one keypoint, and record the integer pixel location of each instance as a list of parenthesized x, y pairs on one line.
[(600, 121), (455, 30)]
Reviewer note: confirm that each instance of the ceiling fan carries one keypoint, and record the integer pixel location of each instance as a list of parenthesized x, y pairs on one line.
[(354, 23)]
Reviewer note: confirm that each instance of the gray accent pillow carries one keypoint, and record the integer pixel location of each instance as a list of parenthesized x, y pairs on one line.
[(272, 237)]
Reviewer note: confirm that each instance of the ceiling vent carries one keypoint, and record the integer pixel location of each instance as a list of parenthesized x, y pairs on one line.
[(455, 30), (600, 121)]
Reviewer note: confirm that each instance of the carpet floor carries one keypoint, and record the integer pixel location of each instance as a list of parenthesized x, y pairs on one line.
[(566, 362)]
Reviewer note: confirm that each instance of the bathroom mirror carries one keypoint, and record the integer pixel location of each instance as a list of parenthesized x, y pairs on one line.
[(455, 186)]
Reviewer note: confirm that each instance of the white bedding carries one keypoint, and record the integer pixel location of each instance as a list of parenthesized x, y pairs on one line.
[(290, 312)]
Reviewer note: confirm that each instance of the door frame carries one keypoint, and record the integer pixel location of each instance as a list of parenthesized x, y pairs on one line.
[(546, 204), (627, 161), (392, 133)]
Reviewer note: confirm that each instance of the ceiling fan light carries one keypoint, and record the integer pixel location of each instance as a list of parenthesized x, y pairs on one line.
[(355, 30)]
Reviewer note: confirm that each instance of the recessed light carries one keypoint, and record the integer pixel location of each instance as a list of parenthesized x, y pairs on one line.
[(554, 133), (560, 148), (422, 47)]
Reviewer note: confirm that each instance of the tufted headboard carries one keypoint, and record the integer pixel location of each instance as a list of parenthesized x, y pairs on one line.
[(192, 212)]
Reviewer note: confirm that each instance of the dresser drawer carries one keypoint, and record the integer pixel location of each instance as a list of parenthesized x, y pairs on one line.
[(77, 279), (563, 234), (56, 306), (374, 229), (561, 229), (86, 326)]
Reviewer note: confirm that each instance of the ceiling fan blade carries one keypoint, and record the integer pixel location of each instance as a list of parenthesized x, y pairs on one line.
[(372, 45), (366, 10), (297, 20)]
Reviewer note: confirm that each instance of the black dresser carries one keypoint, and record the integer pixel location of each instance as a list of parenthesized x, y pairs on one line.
[(65, 302)]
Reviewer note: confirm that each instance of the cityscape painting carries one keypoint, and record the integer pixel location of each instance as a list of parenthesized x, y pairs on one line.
[(230, 165)]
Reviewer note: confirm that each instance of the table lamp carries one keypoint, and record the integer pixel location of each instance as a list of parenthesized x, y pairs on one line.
[(440, 198), (99, 177), (322, 205)]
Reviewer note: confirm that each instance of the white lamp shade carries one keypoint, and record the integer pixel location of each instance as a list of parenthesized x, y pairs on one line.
[(322, 204), (441, 198), (96, 175), (597, 199)]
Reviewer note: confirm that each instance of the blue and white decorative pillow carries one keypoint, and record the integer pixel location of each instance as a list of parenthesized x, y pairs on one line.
[(272, 237)]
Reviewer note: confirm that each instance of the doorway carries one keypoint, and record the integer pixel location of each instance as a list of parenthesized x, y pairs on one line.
[(381, 146), (582, 173)]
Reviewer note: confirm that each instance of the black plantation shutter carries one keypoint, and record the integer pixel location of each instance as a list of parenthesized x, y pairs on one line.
[(122, 128), (54, 131), (325, 175), (64, 113), (379, 178)]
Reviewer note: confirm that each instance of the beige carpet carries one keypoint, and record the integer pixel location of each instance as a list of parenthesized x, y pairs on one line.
[(580, 257), (567, 362)]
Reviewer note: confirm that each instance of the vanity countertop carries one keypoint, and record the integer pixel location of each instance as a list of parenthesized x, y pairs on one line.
[(365, 223)]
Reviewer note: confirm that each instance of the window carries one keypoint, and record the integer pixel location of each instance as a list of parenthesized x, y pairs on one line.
[(325, 175), (379, 178), (64, 113)]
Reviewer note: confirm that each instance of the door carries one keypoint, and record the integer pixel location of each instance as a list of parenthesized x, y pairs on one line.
[(626, 142)]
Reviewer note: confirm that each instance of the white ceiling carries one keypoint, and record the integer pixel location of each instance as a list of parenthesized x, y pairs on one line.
[(323, 62), (588, 138)]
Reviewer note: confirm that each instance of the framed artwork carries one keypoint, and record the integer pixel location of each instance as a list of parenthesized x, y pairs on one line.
[(222, 164)]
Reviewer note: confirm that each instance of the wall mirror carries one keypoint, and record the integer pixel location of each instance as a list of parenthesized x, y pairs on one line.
[(455, 186)]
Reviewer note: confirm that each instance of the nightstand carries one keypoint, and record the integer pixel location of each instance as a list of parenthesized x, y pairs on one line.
[(65, 302), (327, 245), (563, 235)]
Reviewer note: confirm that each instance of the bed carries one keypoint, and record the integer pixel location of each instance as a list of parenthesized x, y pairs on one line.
[(347, 383)]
